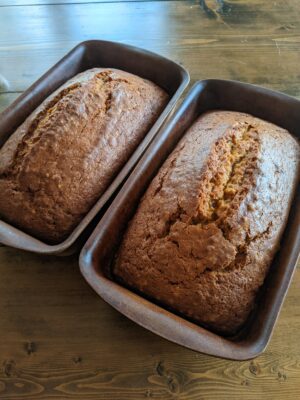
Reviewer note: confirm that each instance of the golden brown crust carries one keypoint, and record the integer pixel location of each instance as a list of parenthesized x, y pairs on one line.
[(210, 223), (63, 157)]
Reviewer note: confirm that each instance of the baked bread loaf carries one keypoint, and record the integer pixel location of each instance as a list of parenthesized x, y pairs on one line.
[(63, 157), (205, 232)]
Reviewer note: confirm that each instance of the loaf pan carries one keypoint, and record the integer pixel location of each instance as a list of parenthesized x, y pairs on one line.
[(97, 254), (95, 53)]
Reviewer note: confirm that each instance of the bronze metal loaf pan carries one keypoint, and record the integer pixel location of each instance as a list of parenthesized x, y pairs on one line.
[(97, 253), (95, 53)]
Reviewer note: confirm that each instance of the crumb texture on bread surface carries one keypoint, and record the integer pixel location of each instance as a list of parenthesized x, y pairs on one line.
[(62, 158), (207, 228)]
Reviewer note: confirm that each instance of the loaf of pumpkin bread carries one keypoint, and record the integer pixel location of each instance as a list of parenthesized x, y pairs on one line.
[(63, 157), (206, 231)]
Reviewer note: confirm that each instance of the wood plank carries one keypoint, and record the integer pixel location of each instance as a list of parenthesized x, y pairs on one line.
[(6, 3), (59, 340), (256, 42)]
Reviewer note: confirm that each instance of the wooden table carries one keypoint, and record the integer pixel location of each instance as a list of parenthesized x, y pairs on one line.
[(58, 339)]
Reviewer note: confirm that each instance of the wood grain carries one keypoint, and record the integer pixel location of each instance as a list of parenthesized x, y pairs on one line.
[(6, 3), (256, 42), (58, 340)]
